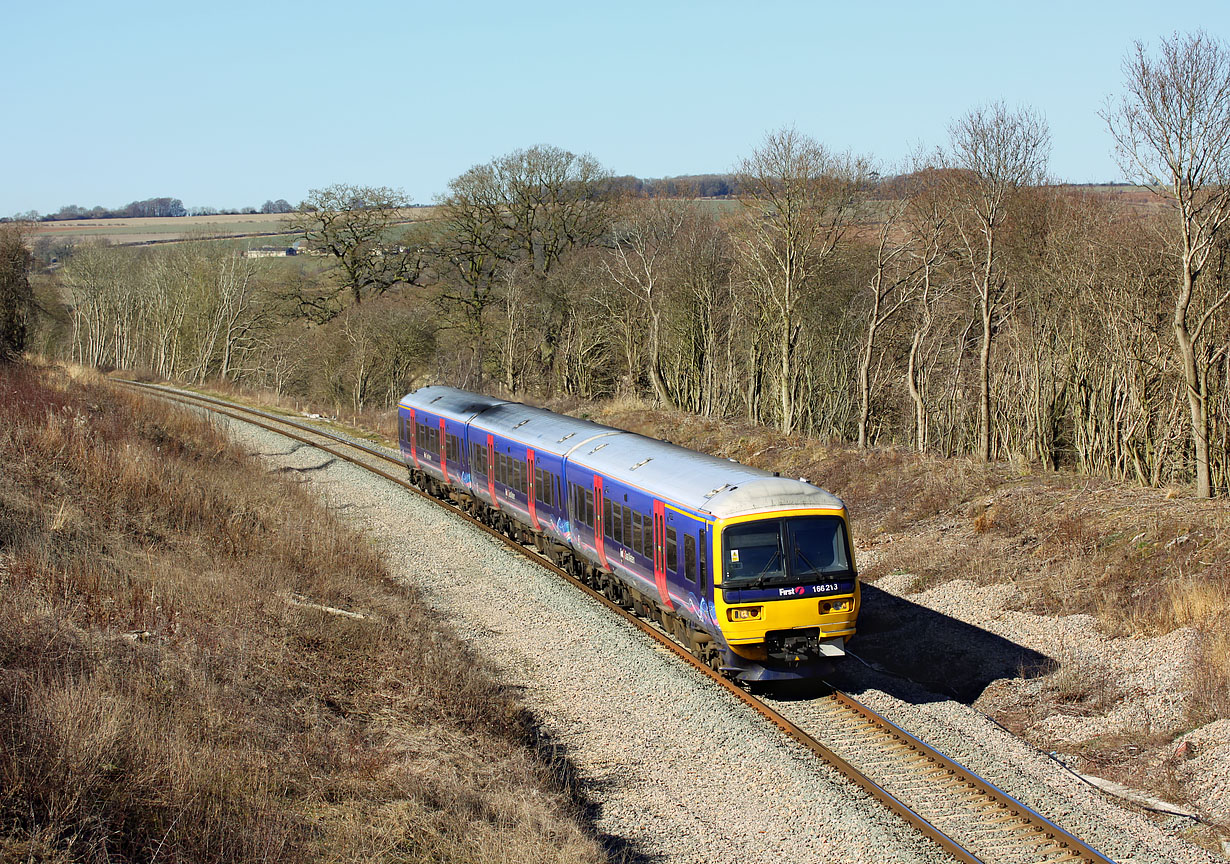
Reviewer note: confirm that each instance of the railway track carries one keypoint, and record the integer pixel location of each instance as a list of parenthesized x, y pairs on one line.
[(968, 817)]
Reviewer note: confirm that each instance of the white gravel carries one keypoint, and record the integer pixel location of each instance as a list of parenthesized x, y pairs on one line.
[(677, 767)]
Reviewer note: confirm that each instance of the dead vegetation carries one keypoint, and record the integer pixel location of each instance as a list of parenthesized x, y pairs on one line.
[(162, 697)]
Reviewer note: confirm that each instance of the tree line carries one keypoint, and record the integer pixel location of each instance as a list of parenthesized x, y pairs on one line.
[(966, 306), (150, 207)]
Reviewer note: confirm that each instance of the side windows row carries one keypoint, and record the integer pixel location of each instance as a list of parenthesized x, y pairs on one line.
[(512, 473)]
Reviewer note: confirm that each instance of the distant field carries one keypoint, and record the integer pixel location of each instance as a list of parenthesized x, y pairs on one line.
[(168, 228), (270, 230)]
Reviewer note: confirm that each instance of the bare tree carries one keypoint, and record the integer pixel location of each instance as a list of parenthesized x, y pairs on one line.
[(16, 298), (891, 287), (1172, 135), (354, 225), (519, 216), (644, 242), (929, 228), (994, 153), (798, 201)]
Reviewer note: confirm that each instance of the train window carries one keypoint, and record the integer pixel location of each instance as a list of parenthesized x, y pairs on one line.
[(606, 518), (689, 557), (638, 525), (523, 481), (672, 550), (617, 524), (627, 523), (589, 508), (538, 485)]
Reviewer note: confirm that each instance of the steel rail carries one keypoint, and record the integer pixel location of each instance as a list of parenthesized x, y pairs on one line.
[(1024, 825)]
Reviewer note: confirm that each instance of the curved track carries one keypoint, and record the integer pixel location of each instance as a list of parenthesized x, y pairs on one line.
[(972, 820)]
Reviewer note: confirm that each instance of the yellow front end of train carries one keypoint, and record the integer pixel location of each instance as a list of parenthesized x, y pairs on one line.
[(785, 584)]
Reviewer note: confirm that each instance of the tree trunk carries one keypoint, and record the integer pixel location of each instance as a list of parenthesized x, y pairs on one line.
[(920, 407), (1197, 397)]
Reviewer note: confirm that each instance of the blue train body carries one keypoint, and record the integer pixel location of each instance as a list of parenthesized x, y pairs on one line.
[(755, 573)]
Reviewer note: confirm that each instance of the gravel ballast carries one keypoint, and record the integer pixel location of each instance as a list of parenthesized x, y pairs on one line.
[(677, 767)]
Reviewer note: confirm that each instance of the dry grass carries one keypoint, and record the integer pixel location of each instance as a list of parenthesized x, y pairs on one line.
[(160, 698)]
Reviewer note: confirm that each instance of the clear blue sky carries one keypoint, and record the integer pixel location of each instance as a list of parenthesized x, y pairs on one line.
[(228, 104)]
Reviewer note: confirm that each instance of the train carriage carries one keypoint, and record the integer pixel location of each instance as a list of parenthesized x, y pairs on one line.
[(521, 452), (432, 432), (754, 572)]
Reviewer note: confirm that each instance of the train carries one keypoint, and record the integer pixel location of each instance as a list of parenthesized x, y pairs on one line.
[(753, 572)]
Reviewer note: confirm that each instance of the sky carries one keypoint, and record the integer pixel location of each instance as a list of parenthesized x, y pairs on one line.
[(227, 105)]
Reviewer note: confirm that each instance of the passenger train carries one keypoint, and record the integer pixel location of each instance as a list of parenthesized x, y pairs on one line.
[(755, 573)]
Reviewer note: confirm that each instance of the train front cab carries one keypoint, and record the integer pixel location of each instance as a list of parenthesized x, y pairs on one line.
[(786, 592)]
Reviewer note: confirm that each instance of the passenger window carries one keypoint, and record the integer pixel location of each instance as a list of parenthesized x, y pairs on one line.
[(627, 525), (637, 525), (606, 517), (689, 557), (672, 550), (589, 507), (617, 524)]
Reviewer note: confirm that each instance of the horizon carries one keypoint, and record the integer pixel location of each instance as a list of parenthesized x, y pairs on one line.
[(234, 105)]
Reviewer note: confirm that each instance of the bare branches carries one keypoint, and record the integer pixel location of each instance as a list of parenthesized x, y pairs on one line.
[(798, 201), (16, 298), (1172, 134), (353, 226), (994, 153)]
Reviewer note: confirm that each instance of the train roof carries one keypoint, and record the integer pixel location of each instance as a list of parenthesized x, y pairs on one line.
[(450, 402), (720, 487), (543, 430)]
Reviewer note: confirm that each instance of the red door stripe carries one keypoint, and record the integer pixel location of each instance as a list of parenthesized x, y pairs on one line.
[(529, 470), (659, 552), (598, 527), (443, 450), (414, 434), (495, 502)]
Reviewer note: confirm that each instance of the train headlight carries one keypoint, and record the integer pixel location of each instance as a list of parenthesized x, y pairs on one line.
[(835, 606), (744, 613)]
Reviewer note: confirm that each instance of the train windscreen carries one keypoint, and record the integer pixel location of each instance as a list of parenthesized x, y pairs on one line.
[(796, 550)]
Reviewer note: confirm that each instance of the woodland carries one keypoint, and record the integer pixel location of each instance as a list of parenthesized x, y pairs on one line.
[(965, 303)]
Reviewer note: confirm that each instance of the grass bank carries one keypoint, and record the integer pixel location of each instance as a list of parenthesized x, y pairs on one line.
[(199, 663)]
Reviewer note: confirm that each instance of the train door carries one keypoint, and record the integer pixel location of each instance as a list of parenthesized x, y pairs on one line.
[(659, 552), (495, 500), (531, 488), (443, 448), (599, 528), (414, 435)]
